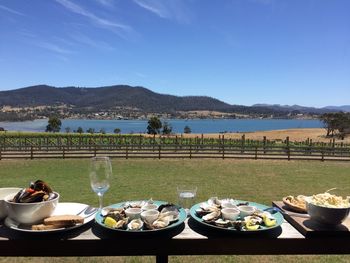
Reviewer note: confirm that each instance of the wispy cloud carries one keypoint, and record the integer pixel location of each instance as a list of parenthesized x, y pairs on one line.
[(106, 3), (12, 11), (85, 40), (53, 47), (140, 75), (173, 10), (99, 21)]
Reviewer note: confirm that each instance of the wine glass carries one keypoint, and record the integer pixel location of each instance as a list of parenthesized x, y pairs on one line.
[(100, 173)]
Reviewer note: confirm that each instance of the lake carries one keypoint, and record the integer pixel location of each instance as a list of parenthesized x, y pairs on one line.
[(197, 125)]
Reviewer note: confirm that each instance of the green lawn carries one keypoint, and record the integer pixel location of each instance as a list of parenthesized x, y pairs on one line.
[(261, 181)]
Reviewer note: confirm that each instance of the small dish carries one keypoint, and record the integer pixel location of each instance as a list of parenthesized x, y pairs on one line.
[(150, 215), (133, 212), (149, 207), (246, 210), (230, 213)]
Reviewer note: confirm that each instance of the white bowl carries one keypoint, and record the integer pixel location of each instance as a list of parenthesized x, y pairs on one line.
[(230, 213), (327, 215), (30, 213), (228, 205), (133, 213), (149, 207), (150, 215), (3, 193), (246, 210)]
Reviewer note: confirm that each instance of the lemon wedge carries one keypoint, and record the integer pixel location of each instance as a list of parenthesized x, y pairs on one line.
[(252, 227), (269, 222), (110, 222)]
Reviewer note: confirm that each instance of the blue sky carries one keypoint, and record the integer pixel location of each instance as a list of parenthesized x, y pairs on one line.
[(239, 51)]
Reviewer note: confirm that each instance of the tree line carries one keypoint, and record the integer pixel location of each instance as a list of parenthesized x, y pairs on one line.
[(155, 126)]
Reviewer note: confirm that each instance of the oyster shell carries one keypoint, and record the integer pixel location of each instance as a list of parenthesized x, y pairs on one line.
[(121, 223), (135, 224), (222, 223), (212, 216), (161, 222), (254, 220), (214, 201)]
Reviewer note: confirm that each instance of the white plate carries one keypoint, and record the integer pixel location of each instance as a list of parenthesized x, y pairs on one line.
[(86, 211)]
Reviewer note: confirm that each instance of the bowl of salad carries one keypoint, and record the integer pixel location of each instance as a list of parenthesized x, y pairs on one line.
[(327, 208)]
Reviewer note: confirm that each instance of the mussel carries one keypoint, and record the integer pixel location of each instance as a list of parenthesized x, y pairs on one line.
[(37, 192)]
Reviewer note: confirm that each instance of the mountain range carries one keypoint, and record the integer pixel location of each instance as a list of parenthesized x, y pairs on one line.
[(139, 98)]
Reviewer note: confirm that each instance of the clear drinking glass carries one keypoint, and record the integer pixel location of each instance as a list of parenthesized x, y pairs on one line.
[(100, 174), (186, 196)]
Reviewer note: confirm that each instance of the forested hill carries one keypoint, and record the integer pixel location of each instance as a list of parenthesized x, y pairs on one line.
[(105, 98)]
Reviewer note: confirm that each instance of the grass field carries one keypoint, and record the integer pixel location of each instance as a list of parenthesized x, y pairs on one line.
[(260, 181)]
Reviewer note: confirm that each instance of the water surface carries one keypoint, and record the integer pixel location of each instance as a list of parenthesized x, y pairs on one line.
[(197, 126)]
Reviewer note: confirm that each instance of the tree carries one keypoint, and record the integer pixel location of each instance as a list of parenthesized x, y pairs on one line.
[(67, 129), (336, 122), (117, 130), (167, 128), (90, 130), (54, 124), (2, 129), (103, 131), (187, 129), (80, 130), (154, 125)]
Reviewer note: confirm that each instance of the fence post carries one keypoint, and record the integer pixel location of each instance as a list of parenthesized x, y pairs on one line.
[(0, 152), (242, 143), (288, 152), (63, 152), (256, 152), (31, 152), (264, 143), (190, 151), (126, 152), (223, 151), (159, 148), (95, 150), (322, 153)]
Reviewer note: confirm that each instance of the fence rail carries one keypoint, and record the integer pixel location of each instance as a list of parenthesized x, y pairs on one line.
[(160, 151)]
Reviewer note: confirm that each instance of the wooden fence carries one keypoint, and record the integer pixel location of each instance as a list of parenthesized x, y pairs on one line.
[(159, 151)]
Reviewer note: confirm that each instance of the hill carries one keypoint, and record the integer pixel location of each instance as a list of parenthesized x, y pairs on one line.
[(132, 102), (104, 98)]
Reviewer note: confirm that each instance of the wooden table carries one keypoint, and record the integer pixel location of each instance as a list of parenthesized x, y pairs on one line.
[(189, 239)]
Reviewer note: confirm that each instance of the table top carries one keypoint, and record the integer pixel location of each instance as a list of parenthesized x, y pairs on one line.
[(190, 238)]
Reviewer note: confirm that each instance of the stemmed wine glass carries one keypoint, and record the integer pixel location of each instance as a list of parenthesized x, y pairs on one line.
[(100, 173)]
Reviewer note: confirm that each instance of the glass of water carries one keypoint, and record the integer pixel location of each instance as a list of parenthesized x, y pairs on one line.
[(186, 197), (100, 174)]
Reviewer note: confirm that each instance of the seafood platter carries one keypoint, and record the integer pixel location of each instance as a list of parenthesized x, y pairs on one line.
[(37, 209), (236, 215), (141, 216)]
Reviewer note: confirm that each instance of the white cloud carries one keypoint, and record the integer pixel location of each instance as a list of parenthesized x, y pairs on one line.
[(106, 3), (12, 11), (83, 39), (167, 9), (53, 47), (102, 22)]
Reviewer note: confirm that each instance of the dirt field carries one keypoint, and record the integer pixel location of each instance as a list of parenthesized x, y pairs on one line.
[(316, 134)]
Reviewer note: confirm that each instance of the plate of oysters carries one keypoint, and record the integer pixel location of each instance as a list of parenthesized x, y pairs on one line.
[(141, 216), (236, 215)]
